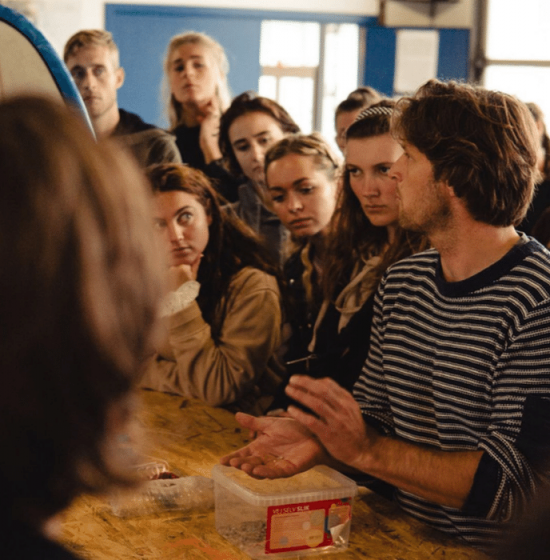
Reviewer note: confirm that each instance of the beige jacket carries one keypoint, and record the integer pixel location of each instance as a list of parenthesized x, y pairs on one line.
[(240, 369)]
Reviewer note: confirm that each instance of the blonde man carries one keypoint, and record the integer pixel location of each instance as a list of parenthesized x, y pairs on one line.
[(92, 58)]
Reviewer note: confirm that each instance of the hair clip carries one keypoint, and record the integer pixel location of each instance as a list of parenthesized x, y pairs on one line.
[(373, 111)]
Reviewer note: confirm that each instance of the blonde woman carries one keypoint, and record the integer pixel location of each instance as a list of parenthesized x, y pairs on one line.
[(197, 93)]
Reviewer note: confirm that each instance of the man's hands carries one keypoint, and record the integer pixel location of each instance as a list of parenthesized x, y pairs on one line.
[(288, 445), (282, 448), (337, 423)]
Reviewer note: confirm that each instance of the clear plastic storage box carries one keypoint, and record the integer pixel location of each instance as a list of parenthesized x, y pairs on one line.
[(309, 513)]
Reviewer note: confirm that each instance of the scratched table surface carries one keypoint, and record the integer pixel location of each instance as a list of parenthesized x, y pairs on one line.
[(191, 437)]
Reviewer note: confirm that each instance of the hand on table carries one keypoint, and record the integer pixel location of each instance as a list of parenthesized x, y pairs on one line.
[(281, 449)]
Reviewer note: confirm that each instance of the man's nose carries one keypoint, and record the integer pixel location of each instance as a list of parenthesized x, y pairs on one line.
[(88, 80), (395, 171)]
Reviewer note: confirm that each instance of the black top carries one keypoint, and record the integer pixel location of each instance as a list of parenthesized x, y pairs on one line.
[(129, 123), (540, 202), (187, 140)]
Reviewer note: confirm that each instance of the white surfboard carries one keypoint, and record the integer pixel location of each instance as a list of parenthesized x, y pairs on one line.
[(30, 65)]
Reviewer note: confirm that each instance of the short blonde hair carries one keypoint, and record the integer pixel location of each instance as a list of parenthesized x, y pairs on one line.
[(88, 37), (174, 109)]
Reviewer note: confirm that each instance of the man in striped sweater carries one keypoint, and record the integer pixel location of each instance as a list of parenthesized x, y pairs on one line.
[(452, 408)]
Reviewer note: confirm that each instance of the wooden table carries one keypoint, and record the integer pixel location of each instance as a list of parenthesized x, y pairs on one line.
[(191, 437)]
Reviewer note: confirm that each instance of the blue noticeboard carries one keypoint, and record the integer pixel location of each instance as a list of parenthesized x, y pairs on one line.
[(453, 56)]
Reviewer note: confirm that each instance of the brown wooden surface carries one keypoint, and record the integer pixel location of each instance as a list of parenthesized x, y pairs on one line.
[(191, 437)]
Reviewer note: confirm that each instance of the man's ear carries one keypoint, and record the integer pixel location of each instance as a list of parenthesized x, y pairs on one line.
[(120, 75), (450, 190)]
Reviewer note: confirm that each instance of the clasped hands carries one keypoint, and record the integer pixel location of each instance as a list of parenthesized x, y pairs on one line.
[(285, 446)]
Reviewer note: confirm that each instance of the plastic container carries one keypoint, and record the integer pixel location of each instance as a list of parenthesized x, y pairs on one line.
[(306, 514), (163, 490)]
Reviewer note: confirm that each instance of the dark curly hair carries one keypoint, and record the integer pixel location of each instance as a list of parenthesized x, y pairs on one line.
[(482, 143)]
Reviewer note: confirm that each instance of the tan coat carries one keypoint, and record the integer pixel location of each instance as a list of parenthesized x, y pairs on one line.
[(240, 369)]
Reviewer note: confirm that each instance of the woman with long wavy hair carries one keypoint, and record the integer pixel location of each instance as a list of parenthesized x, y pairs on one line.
[(364, 240), (223, 314)]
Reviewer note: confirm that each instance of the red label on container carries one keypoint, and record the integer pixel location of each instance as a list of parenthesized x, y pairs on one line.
[(304, 526)]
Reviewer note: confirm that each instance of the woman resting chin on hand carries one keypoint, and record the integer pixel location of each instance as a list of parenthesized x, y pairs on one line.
[(223, 315)]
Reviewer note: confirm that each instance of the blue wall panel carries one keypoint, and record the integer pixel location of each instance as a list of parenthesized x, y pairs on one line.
[(380, 62), (453, 56), (142, 33), (454, 48)]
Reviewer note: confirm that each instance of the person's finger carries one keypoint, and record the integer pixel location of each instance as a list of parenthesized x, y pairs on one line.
[(240, 453), (317, 403), (251, 460), (316, 424), (281, 468), (246, 420), (327, 392)]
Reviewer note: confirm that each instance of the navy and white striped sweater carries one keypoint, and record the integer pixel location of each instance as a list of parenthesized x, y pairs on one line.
[(466, 366)]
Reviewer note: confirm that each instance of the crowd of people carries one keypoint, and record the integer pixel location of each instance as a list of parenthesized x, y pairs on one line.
[(386, 313)]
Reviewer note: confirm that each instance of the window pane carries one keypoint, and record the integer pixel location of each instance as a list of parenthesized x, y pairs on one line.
[(289, 43), (296, 96), (528, 83), (518, 30), (268, 87), (341, 64)]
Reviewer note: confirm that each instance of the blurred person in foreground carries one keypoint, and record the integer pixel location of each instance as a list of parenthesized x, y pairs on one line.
[(79, 292), (452, 407)]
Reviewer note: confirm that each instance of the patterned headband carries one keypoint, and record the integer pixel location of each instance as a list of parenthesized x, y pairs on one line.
[(373, 111)]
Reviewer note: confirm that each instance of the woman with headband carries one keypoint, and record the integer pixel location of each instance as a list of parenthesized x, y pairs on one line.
[(365, 239)]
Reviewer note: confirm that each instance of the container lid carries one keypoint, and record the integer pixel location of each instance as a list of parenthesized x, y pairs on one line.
[(318, 483)]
